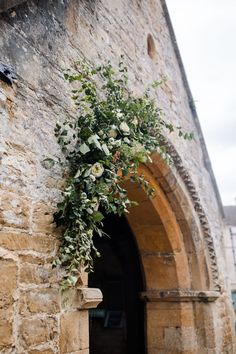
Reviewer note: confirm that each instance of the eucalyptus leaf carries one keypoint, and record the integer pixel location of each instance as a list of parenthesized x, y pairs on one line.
[(84, 149)]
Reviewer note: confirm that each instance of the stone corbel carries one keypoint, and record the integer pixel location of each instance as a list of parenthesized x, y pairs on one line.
[(81, 298), (179, 296), (8, 4)]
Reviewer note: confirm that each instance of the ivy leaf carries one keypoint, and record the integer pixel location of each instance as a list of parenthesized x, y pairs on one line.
[(84, 149)]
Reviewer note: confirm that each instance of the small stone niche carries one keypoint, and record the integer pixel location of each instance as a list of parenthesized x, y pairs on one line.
[(151, 48)]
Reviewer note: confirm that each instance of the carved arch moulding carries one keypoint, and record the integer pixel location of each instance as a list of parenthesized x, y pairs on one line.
[(191, 189)]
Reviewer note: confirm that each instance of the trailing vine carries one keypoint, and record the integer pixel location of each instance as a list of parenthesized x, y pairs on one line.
[(114, 133)]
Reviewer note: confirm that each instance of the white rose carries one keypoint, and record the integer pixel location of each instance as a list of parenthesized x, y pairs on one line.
[(124, 128), (97, 170), (112, 133), (112, 141)]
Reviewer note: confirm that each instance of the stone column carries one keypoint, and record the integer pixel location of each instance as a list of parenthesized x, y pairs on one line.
[(74, 332), (171, 323)]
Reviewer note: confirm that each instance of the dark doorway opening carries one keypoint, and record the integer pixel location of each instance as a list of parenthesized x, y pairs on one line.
[(117, 324)]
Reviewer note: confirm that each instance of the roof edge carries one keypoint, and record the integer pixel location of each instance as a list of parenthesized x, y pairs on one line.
[(192, 106)]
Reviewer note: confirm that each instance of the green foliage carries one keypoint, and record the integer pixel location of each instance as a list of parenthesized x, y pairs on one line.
[(114, 133)]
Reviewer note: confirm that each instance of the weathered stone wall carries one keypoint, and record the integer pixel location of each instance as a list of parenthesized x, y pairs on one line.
[(41, 39)]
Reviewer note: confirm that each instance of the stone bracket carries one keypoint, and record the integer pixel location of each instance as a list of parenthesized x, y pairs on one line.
[(179, 295), (8, 4), (81, 298)]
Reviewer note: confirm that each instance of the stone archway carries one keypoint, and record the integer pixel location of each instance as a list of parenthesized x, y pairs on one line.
[(179, 289)]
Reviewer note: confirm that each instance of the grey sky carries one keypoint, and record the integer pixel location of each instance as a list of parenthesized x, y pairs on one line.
[(206, 35)]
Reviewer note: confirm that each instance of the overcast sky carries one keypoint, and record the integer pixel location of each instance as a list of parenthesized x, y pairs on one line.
[(206, 36)]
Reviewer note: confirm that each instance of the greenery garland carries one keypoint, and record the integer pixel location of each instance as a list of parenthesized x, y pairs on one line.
[(112, 135)]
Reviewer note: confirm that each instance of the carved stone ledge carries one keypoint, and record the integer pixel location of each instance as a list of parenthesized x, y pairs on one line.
[(81, 298), (8, 4), (179, 295)]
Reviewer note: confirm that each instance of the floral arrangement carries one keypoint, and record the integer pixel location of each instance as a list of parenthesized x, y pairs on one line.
[(114, 133)]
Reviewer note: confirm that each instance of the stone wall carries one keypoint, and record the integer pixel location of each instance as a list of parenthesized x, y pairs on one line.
[(40, 39)]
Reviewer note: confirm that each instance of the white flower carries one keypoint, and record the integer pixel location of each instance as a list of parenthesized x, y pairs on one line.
[(124, 128), (97, 170), (126, 140), (137, 148), (112, 141), (112, 133), (119, 114), (135, 121)]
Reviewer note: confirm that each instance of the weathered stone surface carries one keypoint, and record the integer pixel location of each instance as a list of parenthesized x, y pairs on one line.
[(172, 257), (43, 218), (14, 210), (47, 351), (23, 241), (37, 331), (6, 331), (7, 4), (38, 274), (8, 282), (74, 338), (40, 301)]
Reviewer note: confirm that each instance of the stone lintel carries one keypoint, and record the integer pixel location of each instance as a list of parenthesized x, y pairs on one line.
[(180, 295), (81, 298), (8, 4)]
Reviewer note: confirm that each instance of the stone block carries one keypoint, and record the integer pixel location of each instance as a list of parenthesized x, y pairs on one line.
[(6, 338), (74, 337), (42, 220), (37, 331), (170, 314), (38, 274), (160, 271), (8, 282), (14, 210), (24, 242), (182, 339), (40, 301), (42, 351)]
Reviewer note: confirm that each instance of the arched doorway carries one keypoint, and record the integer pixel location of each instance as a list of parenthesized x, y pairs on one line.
[(168, 249), (117, 325)]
